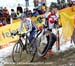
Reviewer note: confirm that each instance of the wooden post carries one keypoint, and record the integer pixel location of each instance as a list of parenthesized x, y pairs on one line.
[(58, 40)]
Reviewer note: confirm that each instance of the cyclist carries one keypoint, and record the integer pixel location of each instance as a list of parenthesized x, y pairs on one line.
[(29, 25), (50, 21)]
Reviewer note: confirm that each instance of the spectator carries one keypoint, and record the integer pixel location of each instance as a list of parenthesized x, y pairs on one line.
[(30, 12), (26, 10), (1, 11), (73, 5), (19, 8), (70, 3), (40, 11), (6, 15), (43, 7), (36, 2), (35, 12), (2, 21), (13, 14), (42, 2), (73, 2), (5, 12), (18, 14)]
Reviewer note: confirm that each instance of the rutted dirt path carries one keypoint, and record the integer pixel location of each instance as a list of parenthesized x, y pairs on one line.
[(66, 58)]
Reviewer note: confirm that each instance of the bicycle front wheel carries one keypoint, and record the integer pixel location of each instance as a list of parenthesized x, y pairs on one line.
[(31, 50), (17, 52), (45, 45), (42, 44)]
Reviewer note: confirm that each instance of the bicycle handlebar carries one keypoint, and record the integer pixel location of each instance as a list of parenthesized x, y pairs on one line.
[(20, 35)]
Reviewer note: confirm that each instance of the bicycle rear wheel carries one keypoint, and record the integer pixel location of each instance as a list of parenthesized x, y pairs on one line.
[(17, 51)]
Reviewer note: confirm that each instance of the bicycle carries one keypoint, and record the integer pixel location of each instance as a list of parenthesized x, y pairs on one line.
[(19, 47), (31, 49)]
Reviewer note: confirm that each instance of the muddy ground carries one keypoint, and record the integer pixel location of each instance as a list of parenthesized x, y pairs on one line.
[(66, 58)]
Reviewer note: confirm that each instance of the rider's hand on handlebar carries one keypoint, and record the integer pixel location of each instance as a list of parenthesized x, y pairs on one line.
[(23, 34), (14, 33), (44, 26)]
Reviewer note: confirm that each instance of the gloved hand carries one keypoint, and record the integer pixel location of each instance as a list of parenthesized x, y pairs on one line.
[(44, 26), (23, 35), (14, 33)]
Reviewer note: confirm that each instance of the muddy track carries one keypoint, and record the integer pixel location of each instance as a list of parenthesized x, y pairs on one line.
[(58, 59), (56, 56), (66, 58)]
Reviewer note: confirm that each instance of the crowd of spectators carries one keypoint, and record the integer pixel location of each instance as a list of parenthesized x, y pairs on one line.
[(5, 16)]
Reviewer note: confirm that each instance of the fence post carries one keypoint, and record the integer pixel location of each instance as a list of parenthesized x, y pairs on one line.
[(58, 40)]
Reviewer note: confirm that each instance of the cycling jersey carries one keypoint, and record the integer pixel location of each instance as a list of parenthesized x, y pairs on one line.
[(30, 27), (51, 20), (28, 24)]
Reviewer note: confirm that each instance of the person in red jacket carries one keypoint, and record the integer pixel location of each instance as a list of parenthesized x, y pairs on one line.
[(51, 19)]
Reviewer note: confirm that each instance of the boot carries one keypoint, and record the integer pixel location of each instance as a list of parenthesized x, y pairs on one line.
[(50, 52)]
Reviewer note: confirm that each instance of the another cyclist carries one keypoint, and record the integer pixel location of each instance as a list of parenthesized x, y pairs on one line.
[(29, 25), (50, 21)]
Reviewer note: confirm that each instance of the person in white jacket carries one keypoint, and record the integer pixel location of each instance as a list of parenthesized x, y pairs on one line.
[(29, 25)]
